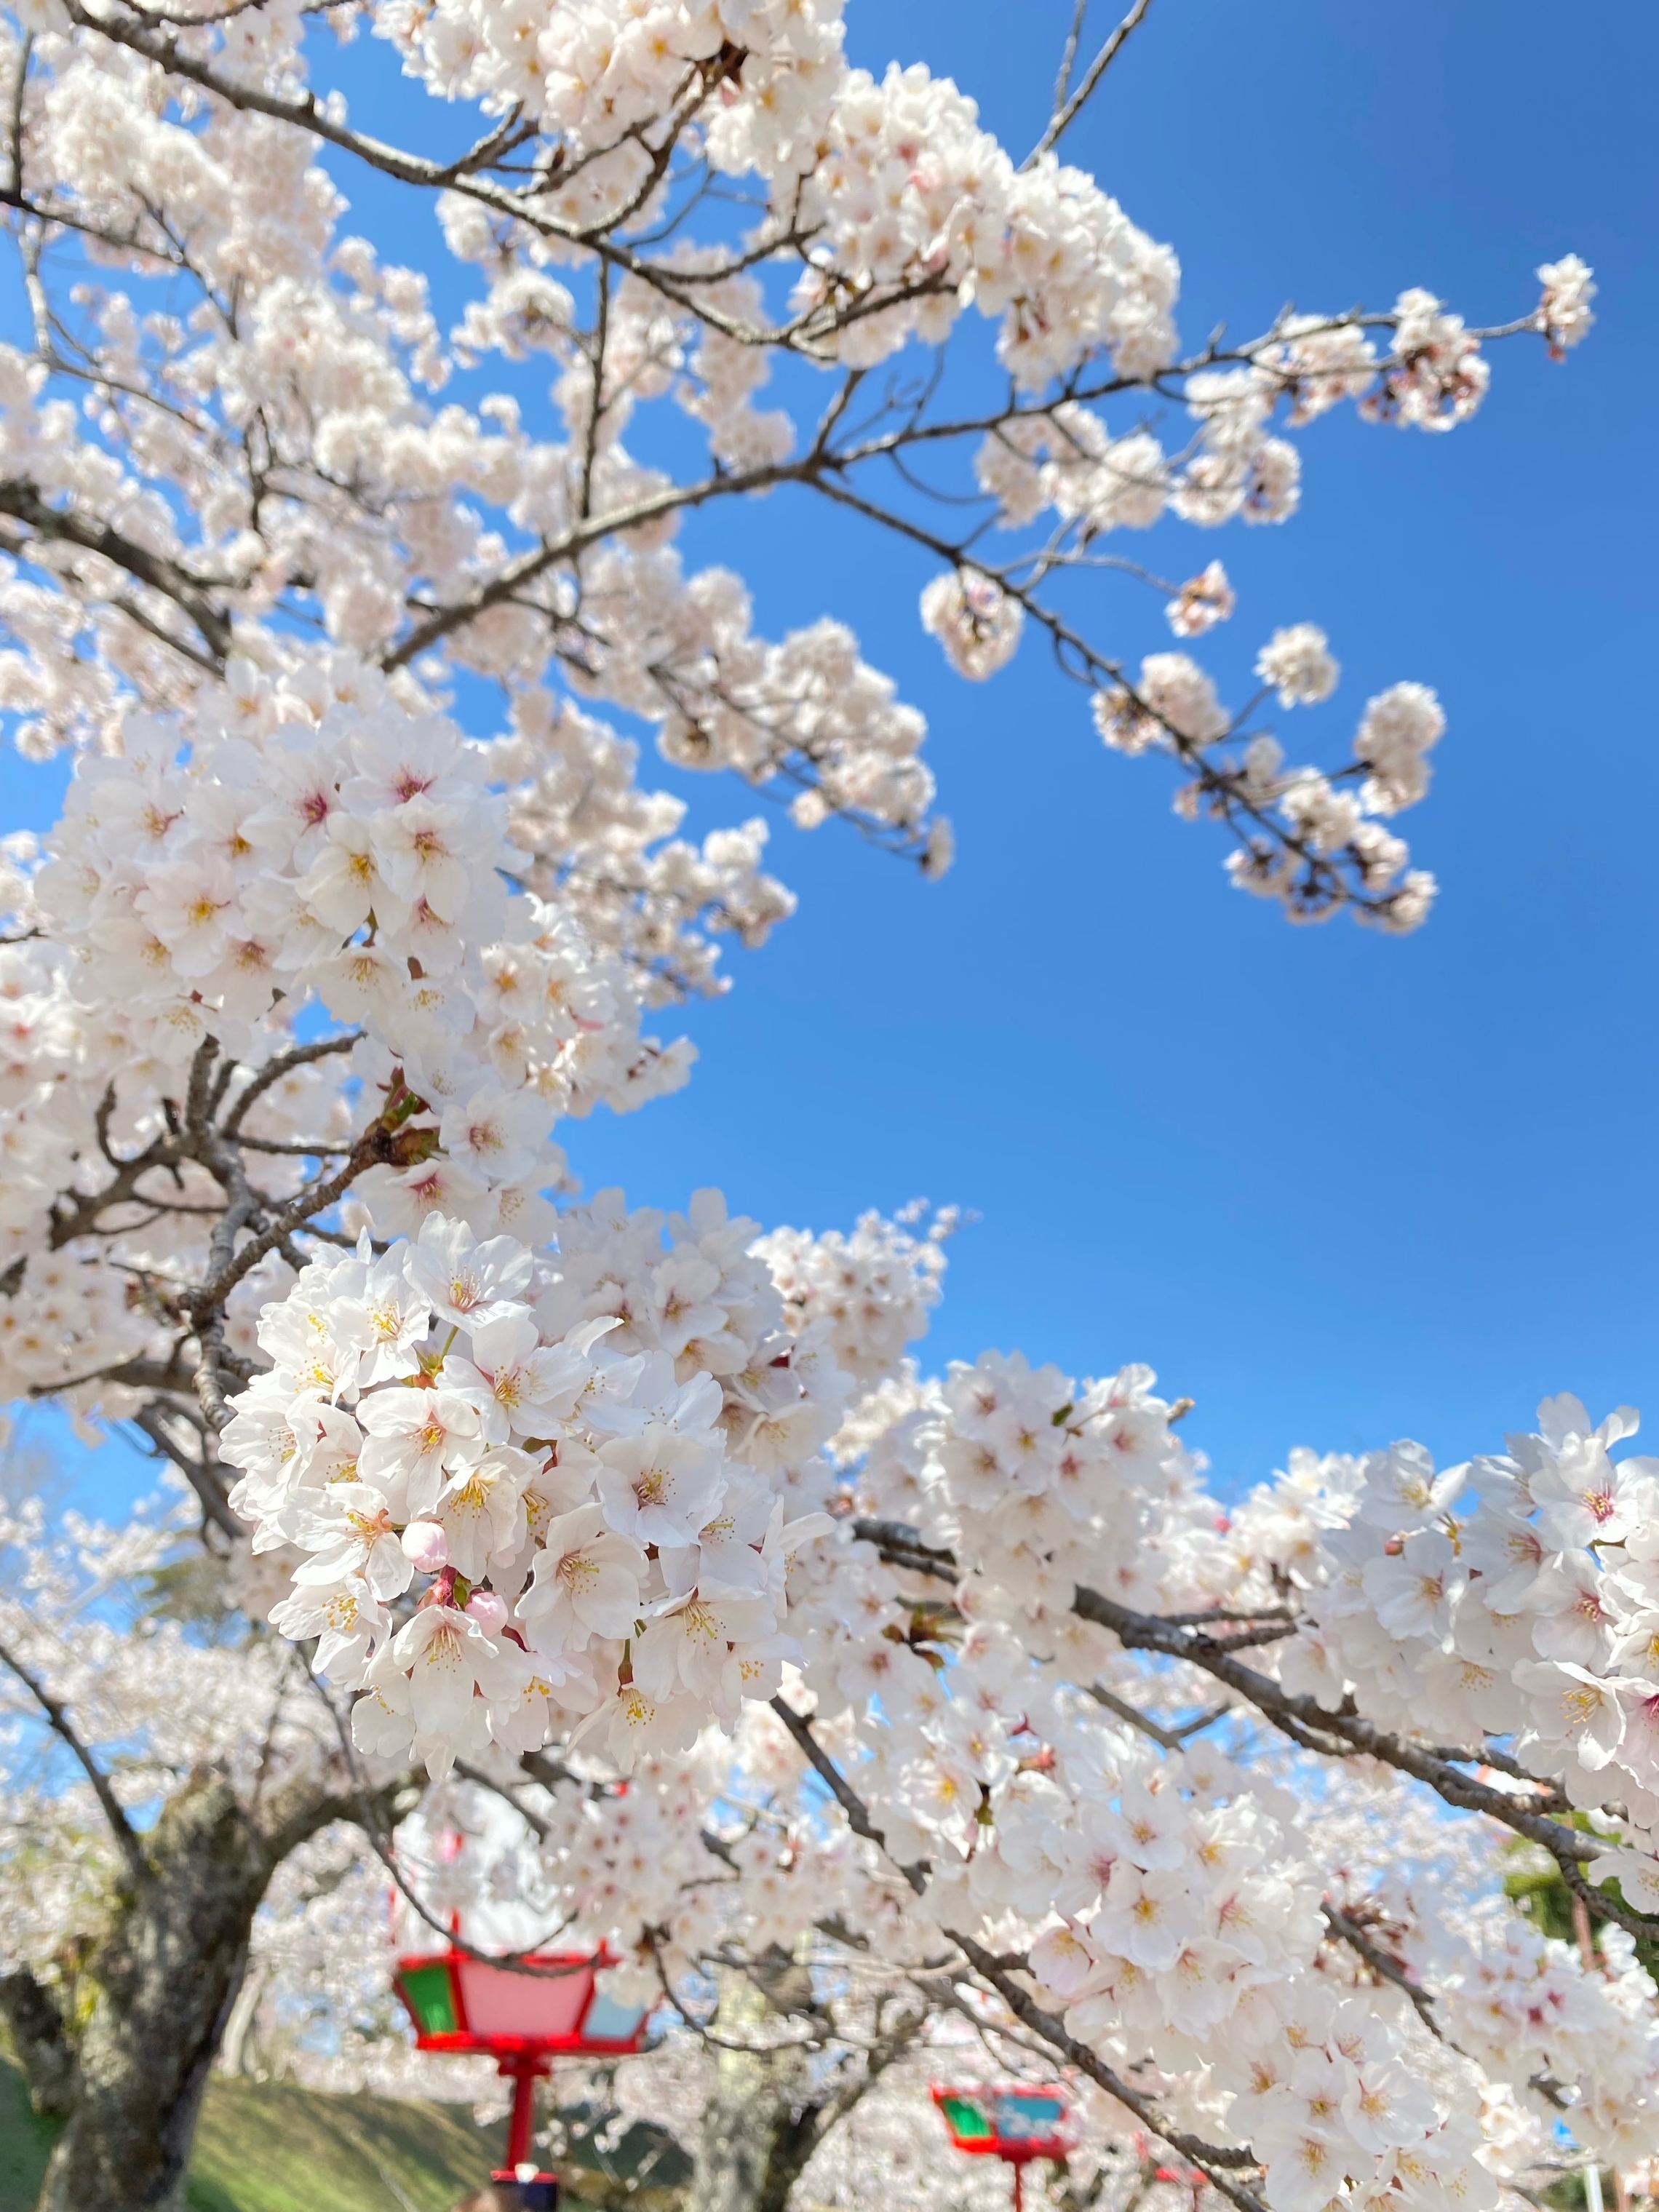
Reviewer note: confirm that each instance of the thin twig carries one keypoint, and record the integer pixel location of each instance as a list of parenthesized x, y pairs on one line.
[(1390, 1969), (1068, 56), (1066, 112), (858, 1816), (58, 1720)]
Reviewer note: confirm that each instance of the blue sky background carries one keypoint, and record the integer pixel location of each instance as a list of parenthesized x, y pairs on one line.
[(1337, 1189)]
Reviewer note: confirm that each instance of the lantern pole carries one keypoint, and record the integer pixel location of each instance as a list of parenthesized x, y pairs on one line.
[(523, 2071), (1018, 2165)]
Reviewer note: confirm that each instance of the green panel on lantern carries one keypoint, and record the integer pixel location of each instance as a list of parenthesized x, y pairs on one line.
[(965, 2120), (431, 1998)]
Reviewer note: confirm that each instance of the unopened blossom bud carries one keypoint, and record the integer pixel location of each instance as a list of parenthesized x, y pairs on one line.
[(426, 1546), (489, 1610)]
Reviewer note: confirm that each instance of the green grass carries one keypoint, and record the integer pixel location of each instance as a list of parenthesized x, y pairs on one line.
[(270, 2147), (25, 2139)]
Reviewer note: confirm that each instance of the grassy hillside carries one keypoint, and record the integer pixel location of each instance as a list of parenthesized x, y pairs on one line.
[(24, 2142), (268, 2146)]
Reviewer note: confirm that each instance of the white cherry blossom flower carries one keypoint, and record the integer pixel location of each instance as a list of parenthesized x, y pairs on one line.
[(465, 1281), (586, 1582)]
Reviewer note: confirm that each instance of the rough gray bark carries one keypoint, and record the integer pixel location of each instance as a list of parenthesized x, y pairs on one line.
[(759, 2129), (766, 2117), (38, 2037), (152, 1995)]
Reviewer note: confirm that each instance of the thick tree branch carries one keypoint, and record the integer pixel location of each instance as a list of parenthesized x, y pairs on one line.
[(1332, 1733), (65, 527), (1138, 1631)]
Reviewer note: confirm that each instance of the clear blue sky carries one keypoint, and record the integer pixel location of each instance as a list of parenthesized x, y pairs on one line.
[(1336, 1189)]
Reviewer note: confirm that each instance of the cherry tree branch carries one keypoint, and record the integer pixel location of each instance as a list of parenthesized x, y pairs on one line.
[(299, 1055), (1349, 1931), (1295, 1713), (1217, 2162), (1068, 110), (58, 1721), (1170, 1739), (66, 527), (1340, 1734), (1069, 55), (150, 1421), (371, 1819), (857, 1814), (1276, 852)]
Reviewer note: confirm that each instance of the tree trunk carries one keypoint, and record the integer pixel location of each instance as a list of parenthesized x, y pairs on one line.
[(124, 2054), (768, 2114), (757, 2134), (761, 2124), (151, 2004)]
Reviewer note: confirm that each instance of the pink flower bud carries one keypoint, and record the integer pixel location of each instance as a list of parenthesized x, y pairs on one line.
[(426, 1546), (489, 1610)]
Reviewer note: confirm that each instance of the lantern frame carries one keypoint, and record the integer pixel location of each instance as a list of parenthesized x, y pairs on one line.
[(434, 1986), (993, 2104)]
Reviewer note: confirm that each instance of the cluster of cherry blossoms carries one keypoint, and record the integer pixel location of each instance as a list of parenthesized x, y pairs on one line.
[(306, 844), (1312, 820), (911, 188), (587, 832), (1429, 373), (1527, 2009), (1514, 1596), (913, 210), (873, 1289), (354, 854), (591, 1521), (1173, 706), (1166, 1899), (1061, 459), (527, 1500), (1172, 1899)]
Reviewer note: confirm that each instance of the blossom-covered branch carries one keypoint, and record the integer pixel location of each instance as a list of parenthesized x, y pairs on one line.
[(253, 411)]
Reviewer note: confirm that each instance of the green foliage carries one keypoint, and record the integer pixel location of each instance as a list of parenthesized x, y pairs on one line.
[(190, 1590), (1542, 1894), (1569, 2194)]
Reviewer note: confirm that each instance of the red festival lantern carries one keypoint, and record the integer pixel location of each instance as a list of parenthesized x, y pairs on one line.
[(544, 2006), (1014, 2123)]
